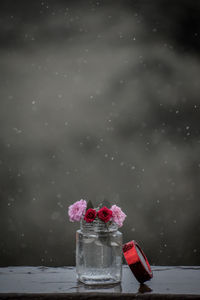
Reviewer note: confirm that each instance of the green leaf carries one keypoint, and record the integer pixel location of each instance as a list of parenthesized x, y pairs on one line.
[(89, 204), (106, 203)]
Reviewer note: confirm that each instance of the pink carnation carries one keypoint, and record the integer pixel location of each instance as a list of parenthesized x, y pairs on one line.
[(77, 210), (118, 215)]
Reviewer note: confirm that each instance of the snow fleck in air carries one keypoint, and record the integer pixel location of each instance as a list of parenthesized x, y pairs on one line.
[(187, 127), (133, 168), (60, 204), (55, 215), (18, 131)]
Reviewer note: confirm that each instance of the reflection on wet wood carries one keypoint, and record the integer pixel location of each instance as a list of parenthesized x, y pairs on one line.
[(60, 283)]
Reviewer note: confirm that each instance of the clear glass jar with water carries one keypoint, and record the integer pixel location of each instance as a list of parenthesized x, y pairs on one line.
[(98, 253)]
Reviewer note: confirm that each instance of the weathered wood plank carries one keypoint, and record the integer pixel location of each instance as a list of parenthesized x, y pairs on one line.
[(60, 283)]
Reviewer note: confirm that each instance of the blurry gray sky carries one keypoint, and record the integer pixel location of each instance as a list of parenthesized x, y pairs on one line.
[(99, 99)]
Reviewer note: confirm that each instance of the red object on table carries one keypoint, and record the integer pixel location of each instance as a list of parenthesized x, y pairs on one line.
[(137, 261)]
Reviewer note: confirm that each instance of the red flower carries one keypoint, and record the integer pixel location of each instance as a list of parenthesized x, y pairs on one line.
[(104, 214), (90, 215)]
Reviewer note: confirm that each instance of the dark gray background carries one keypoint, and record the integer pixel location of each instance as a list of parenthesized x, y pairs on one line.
[(99, 99)]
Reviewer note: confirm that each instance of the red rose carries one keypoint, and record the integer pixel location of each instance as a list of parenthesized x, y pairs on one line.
[(90, 215), (104, 214)]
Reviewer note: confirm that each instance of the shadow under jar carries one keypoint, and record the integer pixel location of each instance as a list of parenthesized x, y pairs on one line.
[(98, 253)]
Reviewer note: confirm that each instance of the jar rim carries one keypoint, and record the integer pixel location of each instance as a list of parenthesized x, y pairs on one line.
[(98, 226)]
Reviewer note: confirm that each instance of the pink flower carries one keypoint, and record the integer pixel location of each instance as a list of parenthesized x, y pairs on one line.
[(118, 215), (77, 210)]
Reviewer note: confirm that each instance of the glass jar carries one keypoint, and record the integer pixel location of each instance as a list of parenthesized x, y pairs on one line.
[(98, 253)]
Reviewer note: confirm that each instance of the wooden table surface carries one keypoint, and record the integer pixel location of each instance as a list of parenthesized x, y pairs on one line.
[(60, 283)]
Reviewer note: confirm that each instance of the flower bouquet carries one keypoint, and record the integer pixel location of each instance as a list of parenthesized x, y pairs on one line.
[(98, 242)]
